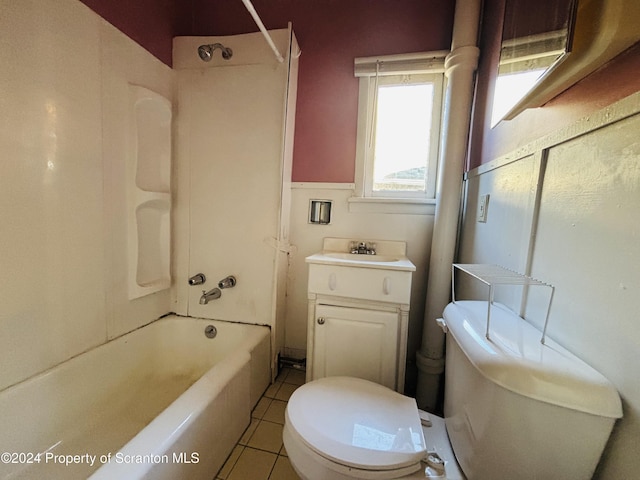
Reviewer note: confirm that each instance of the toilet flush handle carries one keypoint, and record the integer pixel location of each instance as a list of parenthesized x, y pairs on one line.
[(442, 324), (435, 466)]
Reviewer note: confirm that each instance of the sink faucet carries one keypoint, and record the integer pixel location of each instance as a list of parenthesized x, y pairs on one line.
[(362, 248), (212, 294)]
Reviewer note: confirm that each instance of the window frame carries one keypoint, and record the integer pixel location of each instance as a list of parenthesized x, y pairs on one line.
[(376, 71), (436, 114)]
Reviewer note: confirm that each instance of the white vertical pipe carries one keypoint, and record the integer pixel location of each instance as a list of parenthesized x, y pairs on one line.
[(460, 66), (256, 18)]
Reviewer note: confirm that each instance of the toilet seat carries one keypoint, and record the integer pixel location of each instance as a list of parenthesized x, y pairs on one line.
[(356, 425)]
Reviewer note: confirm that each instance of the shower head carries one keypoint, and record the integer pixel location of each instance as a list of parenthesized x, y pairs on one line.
[(206, 51)]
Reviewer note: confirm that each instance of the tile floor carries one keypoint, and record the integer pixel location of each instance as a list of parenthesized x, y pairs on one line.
[(260, 455)]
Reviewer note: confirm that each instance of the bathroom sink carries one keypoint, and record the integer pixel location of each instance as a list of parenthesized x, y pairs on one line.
[(390, 255), (380, 261), (361, 257)]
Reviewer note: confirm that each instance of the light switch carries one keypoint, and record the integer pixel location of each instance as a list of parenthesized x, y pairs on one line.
[(483, 205)]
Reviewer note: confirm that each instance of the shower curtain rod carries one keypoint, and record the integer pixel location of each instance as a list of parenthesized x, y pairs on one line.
[(256, 17)]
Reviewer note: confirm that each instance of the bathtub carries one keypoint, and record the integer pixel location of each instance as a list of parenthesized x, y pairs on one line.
[(162, 402)]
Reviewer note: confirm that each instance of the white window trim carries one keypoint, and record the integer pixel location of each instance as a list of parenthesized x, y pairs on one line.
[(367, 69), (372, 83)]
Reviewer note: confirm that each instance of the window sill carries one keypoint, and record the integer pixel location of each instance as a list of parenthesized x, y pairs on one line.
[(409, 206)]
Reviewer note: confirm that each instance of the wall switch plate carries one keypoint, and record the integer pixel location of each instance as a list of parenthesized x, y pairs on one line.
[(483, 205)]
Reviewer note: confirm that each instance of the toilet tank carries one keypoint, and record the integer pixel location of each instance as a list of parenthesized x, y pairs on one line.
[(518, 409)]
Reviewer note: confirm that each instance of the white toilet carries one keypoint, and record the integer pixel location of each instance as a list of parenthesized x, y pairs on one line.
[(514, 409)]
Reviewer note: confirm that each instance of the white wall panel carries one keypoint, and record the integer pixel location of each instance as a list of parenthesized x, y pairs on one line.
[(588, 246), (51, 241), (586, 243), (63, 239), (504, 238)]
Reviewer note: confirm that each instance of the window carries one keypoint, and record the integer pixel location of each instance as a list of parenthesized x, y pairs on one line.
[(512, 88), (399, 126)]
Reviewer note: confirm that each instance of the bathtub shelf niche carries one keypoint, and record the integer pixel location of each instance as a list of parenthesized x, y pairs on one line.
[(149, 192)]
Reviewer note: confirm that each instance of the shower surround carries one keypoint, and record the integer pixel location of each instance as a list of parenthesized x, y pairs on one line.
[(234, 143), (65, 144)]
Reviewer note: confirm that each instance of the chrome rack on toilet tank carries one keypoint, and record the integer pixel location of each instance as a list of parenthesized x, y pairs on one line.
[(492, 276)]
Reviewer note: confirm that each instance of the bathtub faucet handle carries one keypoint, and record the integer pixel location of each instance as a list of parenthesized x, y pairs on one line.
[(197, 279), (227, 282)]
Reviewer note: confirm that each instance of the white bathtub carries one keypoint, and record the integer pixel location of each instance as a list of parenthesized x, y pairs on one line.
[(162, 402)]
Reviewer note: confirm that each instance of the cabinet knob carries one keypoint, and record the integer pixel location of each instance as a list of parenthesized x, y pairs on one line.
[(320, 320)]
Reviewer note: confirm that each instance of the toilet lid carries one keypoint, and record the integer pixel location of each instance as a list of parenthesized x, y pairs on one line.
[(357, 423)]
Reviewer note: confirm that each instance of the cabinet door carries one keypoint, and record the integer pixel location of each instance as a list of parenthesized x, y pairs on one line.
[(356, 343)]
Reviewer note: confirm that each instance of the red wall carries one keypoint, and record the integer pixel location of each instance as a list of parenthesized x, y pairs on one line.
[(613, 81), (331, 33)]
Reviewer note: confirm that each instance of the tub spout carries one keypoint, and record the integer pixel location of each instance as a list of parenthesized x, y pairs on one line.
[(212, 294)]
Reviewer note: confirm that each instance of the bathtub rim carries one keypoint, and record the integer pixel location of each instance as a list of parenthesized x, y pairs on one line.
[(48, 371)]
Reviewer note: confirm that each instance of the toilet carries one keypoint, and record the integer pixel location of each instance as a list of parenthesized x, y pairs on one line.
[(514, 408)]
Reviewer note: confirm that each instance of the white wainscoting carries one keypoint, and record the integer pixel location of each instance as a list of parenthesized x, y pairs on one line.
[(566, 210)]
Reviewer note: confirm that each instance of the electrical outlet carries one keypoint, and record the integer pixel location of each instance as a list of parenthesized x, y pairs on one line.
[(483, 205)]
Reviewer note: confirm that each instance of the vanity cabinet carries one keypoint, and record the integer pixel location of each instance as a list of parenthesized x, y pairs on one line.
[(358, 314), (356, 342)]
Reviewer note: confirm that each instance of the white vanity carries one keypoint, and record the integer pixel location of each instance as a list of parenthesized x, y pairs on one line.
[(359, 311)]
